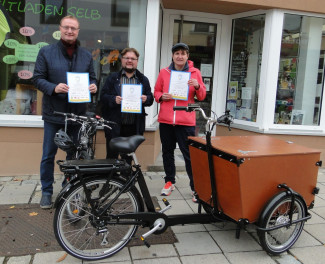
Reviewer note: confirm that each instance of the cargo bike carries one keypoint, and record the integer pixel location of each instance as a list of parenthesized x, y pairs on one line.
[(245, 180)]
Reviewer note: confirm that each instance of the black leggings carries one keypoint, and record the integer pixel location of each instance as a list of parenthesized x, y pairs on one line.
[(169, 136)]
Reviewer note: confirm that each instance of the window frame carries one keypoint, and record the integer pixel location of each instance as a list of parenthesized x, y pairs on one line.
[(268, 80)]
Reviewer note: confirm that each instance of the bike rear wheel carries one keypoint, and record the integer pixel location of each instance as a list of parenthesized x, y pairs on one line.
[(87, 238)]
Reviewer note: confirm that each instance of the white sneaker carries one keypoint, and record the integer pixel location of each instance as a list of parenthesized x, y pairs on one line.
[(194, 200), (168, 188)]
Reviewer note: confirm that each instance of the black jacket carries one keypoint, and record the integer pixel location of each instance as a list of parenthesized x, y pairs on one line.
[(112, 111), (51, 68)]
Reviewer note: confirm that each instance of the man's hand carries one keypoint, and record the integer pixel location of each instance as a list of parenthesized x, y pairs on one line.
[(143, 98), (118, 99), (61, 88), (93, 88)]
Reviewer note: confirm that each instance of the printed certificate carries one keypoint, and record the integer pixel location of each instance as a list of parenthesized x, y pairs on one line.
[(178, 85), (131, 98), (78, 87)]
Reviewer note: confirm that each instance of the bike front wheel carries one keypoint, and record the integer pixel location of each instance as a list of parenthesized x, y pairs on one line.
[(281, 239), (81, 234)]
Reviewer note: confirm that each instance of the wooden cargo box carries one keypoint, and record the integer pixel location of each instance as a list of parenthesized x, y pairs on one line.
[(248, 170)]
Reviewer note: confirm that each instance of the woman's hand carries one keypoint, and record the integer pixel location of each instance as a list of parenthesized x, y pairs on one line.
[(194, 82)]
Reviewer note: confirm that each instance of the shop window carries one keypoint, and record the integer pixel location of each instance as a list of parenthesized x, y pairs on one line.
[(106, 27), (301, 71), (245, 63)]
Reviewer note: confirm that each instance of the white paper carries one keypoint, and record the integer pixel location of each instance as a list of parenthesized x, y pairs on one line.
[(78, 87), (246, 93), (178, 85), (131, 98), (297, 117), (206, 70), (206, 82)]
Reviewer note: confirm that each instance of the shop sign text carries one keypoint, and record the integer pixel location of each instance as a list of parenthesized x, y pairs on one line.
[(19, 6)]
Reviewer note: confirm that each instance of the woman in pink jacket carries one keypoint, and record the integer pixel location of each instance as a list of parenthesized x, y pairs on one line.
[(177, 126)]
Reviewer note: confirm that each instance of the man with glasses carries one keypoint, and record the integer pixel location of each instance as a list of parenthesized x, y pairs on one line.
[(50, 77), (128, 124)]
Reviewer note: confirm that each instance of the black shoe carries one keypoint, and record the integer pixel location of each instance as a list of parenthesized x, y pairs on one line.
[(46, 201)]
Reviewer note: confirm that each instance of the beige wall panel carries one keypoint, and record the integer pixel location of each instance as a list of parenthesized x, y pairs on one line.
[(21, 150)]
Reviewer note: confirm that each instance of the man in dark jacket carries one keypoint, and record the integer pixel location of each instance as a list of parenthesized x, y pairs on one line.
[(50, 76), (128, 124)]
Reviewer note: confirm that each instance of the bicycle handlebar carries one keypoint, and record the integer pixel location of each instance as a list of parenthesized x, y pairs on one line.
[(99, 120), (224, 119)]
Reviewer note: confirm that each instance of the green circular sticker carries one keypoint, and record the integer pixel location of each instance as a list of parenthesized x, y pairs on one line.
[(56, 35), (11, 43), (41, 44), (10, 59)]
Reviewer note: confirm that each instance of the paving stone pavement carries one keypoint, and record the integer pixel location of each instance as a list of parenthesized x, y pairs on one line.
[(197, 243)]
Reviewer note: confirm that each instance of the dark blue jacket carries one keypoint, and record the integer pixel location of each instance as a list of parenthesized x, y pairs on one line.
[(112, 111), (51, 68)]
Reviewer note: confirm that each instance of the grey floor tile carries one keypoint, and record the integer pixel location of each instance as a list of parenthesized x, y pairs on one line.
[(13, 194), (320, 200), (6, 179), (317, 216), (182, 181), (205, 259), (317, 231), (155, 251), (185, 192), (121, 257), (228, 242), (55, 257), (286, 259), (2, 259), (218, 226), (195, 244), (321, 177), (20, 260), (188, 228), (178, 207), (256, 257), (309, 255), (306, 240), (158, 261), (36, 198)]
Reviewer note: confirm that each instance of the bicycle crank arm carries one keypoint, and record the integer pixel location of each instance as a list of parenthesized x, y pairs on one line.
[(158, 225), (146, 218)]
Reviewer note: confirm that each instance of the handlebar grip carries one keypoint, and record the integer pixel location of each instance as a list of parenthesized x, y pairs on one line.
[(177, 108), (109, 122), (59, 113)]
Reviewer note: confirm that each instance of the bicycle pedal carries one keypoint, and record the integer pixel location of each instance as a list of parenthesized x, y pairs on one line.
[(165, 201), (145, 242), (168, 206), (158, 225)]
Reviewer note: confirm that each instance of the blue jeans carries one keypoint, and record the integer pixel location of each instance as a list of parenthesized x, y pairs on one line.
[(49, 152), (169, 136)]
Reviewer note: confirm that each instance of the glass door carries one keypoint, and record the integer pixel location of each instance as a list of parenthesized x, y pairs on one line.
[(201, 39)]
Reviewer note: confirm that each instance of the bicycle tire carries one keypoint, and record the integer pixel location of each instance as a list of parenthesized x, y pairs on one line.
[(76, 232), (280, 240)]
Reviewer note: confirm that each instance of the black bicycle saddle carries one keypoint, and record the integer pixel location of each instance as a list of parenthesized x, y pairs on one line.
[(126, 144)]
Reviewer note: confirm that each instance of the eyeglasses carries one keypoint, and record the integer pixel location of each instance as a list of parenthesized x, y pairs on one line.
[(127, 58), (66, 28)]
